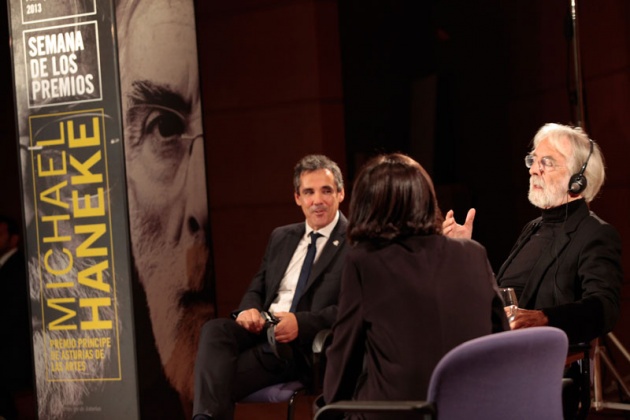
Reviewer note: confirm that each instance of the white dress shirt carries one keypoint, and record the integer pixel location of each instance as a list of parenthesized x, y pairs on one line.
[(283, 300)]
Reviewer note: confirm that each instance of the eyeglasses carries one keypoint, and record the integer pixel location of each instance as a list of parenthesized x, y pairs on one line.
[(545, 163), (166, 135)]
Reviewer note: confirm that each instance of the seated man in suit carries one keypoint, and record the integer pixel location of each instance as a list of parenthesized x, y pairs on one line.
[(234, 358)]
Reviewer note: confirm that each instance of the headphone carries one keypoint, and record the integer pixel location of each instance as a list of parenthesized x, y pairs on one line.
[(578, 182)]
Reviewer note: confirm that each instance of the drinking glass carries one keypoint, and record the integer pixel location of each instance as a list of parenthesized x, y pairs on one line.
[(509, 301)]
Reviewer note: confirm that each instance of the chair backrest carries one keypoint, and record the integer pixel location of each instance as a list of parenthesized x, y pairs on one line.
[(513, 375)]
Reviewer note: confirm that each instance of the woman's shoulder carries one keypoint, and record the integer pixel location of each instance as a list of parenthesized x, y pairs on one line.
[(440, 243), (461, 244)]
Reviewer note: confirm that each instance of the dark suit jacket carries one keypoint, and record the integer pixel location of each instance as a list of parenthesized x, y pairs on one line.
[(317, 307), (577, 279), (403, 307)]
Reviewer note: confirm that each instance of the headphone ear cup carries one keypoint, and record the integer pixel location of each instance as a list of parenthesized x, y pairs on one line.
[(577, 184)]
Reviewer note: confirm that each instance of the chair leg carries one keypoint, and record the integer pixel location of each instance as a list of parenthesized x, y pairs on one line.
[(585, 386), (291, 406)]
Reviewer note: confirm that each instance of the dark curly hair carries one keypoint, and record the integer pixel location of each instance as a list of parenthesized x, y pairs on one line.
[(393, 197)]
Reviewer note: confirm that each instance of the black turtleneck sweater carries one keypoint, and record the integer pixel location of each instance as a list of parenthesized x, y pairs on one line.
[(567, 263), (516, 274)]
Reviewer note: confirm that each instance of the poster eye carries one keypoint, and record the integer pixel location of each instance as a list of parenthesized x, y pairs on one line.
[(163, 124)]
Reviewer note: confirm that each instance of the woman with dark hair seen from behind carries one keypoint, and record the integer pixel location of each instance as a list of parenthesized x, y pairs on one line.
[(408, 293)]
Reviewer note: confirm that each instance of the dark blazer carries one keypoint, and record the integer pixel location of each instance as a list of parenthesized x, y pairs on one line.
[(402, 307), (577, 280), (317, 307)]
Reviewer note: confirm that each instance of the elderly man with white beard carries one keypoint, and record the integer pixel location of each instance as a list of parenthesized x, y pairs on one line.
[(566, 265)]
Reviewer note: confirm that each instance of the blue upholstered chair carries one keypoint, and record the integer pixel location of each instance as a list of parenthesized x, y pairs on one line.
[(288, 391), (279, 393), (508, 375)]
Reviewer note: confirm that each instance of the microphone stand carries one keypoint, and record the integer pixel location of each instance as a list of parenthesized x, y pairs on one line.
[(599, 353), (577, 67)]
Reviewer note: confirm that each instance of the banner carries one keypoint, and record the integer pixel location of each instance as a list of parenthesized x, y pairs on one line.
[(168, 204), (75, 207)]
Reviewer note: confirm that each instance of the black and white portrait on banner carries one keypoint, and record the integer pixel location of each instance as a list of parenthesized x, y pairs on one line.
[(166, 180)]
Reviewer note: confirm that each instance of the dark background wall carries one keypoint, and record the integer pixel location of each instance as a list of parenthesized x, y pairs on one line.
[(10, 199), (460, 85)]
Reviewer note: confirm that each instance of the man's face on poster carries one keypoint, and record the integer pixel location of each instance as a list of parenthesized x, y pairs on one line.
[(165, 162)]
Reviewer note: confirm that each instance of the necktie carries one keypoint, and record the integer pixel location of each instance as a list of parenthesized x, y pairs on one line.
[(306, 269)]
